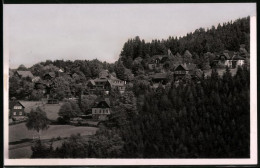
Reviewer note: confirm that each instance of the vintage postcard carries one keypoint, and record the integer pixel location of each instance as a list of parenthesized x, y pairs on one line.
[(130, 84)]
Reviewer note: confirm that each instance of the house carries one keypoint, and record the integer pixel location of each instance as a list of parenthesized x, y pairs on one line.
[(157, 61), (182, 70), (230, 59), (16, 110), (225, 58), (43, 86), (101, 109), (105, 83), (24, 74), (104, 74), (238, 61), (160, 78), (114, 84), (49, 76), (36, 79)]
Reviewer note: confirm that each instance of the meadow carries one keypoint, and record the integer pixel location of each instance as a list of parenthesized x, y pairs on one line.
[(20, 137)]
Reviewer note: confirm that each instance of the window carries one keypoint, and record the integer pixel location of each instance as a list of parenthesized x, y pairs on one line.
[(17, 107), (14, 113), (20, 113)]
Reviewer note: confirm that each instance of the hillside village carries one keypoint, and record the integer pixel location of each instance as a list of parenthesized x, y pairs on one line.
[(158, 73), (176, 95)]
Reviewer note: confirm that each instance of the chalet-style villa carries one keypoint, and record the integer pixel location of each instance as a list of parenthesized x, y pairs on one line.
[(230, 59), (157, 61), (184, 69), (238, 60), (24, 74), (105, 83), (16, 110), (101, 109)]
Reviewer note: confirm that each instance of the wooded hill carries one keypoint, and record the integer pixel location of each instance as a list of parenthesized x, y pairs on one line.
[(228, 36)]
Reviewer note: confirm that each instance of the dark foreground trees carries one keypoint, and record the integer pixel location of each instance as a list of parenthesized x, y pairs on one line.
[(210, 119)]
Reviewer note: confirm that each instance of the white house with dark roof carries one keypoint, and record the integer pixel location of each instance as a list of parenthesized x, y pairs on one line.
[(230, 59), (101, 108), (16, 110)]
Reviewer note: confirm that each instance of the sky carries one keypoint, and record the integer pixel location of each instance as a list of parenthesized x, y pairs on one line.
[(35, 33)]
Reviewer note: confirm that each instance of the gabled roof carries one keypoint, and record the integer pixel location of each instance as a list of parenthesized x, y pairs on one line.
[(25, 74), (159, 57), (103, 74), (113, 77), (160, 76), (51, 74), (102, 102), (186, 67), (237, 57), (104, 79), (13, 103), (92, 82), (180, 66), (187, 53), (228, 54), (178, 55)]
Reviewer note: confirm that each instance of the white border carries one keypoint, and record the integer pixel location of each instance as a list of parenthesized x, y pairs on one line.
[(48, 162)]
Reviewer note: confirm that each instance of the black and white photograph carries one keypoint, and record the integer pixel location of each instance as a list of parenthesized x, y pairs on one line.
[(130, 84)]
